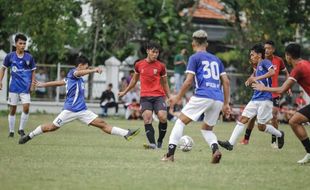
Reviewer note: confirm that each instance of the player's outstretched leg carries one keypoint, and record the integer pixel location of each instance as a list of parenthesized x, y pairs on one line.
[(39, 130), (127, 134)]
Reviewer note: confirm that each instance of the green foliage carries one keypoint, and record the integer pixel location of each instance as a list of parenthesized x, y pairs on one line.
[(51, 24), (164, 25)]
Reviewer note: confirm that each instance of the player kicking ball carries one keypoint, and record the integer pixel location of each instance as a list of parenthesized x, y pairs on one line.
[(75, 106), (261, 103)]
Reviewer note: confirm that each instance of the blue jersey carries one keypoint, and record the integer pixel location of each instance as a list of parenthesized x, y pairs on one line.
[(75, 100), (207, 69), (21, 72), (261, 69)]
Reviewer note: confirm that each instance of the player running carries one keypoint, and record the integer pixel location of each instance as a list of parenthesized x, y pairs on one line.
[(299, 74), (261, 102)]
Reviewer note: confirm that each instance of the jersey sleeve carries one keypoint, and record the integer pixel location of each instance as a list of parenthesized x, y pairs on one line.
[(295, 74), (71, 74), (221, 67), (191, 66), (267, 65), (137, 68), (163, 71), (32, 63), (282, 65), (6, 61)]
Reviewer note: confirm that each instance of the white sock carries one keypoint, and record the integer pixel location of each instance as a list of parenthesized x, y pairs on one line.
[(119, 131), (236, 133), (176, 132), (36, 132), (11, 119), (23, 120), (271, 130), (209, 136)]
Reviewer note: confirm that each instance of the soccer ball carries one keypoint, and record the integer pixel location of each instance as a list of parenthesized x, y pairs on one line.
[(186, 143)]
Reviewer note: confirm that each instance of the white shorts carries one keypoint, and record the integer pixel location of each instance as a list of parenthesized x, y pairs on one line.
[(197, 106), (261, 109), (86, 116), (14, 98)]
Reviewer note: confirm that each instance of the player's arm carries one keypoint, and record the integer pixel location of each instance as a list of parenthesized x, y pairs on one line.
[(269, 74), (132, 84), (2, 72), (285, 87), (165, 85), (80, 73), (226, 89), (287, 75), (247, 82), (51, 83)]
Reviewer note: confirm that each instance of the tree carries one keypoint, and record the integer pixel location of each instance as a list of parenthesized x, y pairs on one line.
[(51, 24)]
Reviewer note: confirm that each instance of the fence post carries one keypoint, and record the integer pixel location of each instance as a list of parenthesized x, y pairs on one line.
[(4, 91), (58, 78), (112, 71)]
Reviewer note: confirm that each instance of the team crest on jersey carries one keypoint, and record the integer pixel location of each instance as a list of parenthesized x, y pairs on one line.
[(27, 62), (260, 68), (274, 67), (14, 69), (155, 71)]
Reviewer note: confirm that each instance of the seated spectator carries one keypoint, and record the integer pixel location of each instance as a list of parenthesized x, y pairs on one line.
[(107, 100), (129, 97), (133, 110), (300, 101)]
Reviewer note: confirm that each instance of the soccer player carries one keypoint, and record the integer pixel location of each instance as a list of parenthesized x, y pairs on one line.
[(299, 74), (278, 66), (208, 73), (261, 102), (75, 107), (22, 68), (154, 88)]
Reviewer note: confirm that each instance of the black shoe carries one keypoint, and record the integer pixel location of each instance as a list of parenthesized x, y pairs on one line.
[(24, 139), (11, 134), (226, 145), (281, 140), (159, 144), (21, 133), (131, 134)]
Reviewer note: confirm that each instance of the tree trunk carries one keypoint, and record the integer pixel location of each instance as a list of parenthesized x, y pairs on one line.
[(93, 63)]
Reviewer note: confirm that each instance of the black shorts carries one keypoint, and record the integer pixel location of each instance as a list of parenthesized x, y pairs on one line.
[(305, 111), (153, 103), (276, 102)]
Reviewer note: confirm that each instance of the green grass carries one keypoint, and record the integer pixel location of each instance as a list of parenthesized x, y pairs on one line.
[(81, 157)]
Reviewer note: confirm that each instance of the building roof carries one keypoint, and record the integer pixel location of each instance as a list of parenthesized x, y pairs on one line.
[(207, 9)]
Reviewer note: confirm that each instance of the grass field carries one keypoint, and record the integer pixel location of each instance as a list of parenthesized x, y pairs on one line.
[(80, 157)]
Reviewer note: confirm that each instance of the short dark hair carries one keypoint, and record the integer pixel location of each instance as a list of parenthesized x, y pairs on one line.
[(110, 85), (81, 60), (294, 50), (270, 42), (153, 45), (20, 37), (259, 48)]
